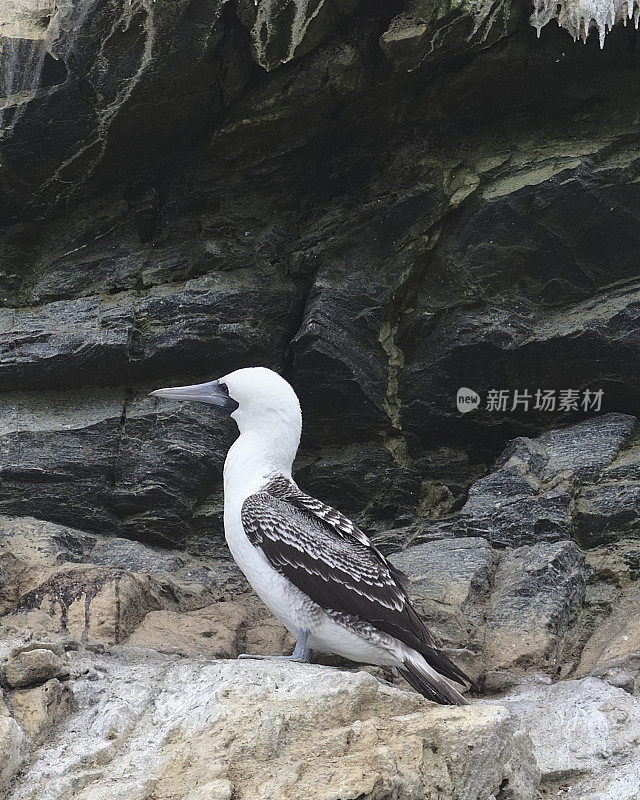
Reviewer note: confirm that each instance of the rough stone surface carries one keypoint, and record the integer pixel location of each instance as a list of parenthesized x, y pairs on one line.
[(222, 630), (448, 580), (537, 593), (292, 719), (38, 711), (613, 650), (32, 667), (540, 489), (135, 556), (280, 33), (104, 474), (504, 613), (608, 510), (585, 736), (587, 448), (427, 30), (12, 745), (91, 603), (42, 543)]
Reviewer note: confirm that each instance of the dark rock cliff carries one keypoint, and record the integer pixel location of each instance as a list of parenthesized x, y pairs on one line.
[(384, 201)]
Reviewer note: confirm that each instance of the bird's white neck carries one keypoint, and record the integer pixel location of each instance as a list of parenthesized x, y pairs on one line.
[(259, 453)]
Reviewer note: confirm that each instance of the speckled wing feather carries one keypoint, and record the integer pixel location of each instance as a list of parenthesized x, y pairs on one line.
[(331, 560), (287, 490)]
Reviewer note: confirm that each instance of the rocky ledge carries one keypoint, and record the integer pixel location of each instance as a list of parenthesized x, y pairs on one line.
[(128, 721), (268, 730)]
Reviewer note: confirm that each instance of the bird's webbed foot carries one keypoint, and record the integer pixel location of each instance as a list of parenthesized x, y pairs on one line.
[(300, 653)]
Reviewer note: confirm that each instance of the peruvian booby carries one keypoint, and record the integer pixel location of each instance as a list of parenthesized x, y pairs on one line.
[(313, 568)]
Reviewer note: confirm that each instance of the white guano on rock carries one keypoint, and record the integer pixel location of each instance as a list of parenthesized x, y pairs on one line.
[(578, 16)]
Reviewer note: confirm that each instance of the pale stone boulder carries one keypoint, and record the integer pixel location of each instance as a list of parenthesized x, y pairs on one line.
[(220, 630), (211, 631), (32, 667), (12, 749), (169, 728), (586, 737)]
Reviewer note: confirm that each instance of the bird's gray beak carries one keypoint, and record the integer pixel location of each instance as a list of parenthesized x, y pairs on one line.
[(214, 393)]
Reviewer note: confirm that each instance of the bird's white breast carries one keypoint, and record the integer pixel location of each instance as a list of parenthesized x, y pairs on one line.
[(285, 601)]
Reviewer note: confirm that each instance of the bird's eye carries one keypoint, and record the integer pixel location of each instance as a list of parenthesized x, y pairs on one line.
[(224, 388)]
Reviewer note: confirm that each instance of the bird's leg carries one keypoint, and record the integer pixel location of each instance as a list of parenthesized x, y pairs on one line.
[(300, 652)]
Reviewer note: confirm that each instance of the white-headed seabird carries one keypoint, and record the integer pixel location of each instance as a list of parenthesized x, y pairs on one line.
[(311, 566)]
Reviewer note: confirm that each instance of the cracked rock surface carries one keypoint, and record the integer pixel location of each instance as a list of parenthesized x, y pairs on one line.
[(226, 185)]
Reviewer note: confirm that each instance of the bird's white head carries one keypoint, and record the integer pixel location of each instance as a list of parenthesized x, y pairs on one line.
[(263, 405), (264, 399)]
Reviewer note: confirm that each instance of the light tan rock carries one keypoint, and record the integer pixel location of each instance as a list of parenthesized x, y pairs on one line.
[(221, 630), (39, 543), (172, 728), (23, 19), (13, 571), (32, 667), (37, 624), (92, 603), (211, 631), (31, 550), (35, 644), (613, 651), (585, 737), (265, 635), (215, 790), (40, 709)]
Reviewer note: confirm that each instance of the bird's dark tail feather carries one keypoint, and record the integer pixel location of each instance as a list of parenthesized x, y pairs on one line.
[(443, 664), (429, 683)]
